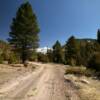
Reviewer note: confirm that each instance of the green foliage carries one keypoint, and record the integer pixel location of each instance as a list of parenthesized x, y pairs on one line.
[(14, 58), (43, 58), (71, 51), (80, 71), (95, 62), (86, 51), (4, 51), (24, 31), (50, 55), (96, 47), (98, 36), (33, 56), (57, 53), (1, 59)]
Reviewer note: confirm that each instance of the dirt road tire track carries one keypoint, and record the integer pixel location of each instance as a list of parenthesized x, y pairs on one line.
[(49, 83), (18, 92)]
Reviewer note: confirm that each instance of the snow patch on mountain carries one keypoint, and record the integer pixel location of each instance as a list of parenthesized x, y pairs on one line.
[(43, 50)]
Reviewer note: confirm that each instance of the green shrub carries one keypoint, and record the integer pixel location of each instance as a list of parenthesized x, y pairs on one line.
[(79, 71), (50, 55), (33, 56), (43, 58), (13, 59), (1, 59), (94, 62)]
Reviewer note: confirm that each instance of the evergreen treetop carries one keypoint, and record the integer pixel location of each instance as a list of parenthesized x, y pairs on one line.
[(24, 30)]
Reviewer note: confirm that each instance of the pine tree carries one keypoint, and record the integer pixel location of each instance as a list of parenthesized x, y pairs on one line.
[(71, 51), (57, 53), (98, 36), (24, 31)]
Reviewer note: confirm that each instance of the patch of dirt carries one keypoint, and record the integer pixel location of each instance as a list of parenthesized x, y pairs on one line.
[(87, 88)]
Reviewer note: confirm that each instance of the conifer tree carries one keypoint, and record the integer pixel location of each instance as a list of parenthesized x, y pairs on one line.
[(24, 31), (98, 36), (57, 53), (71, 51)]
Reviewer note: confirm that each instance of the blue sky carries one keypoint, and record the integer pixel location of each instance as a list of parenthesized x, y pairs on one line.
[(58, 19)]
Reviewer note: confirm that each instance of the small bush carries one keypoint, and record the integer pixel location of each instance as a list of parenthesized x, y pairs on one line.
[(33, 56), (13, 59), (79, 71), (43, 58), (1, 59)]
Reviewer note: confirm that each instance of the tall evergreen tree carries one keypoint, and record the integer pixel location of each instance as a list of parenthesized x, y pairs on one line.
[(24, 31), (57, 53), (71, 51), (98, 36)]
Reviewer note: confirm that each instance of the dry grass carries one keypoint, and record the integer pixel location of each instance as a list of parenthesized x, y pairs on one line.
[(82, 71), (88, 88), (10, 72), (90, 91)]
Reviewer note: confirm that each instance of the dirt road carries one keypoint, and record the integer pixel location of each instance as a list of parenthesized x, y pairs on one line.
[(45, 83), (50, 86)]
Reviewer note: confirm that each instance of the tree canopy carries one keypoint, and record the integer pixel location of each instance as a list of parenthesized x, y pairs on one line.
[(57, 52), (24, 31)]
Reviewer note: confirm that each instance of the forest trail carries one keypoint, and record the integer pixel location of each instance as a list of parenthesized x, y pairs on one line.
[(45, 83)]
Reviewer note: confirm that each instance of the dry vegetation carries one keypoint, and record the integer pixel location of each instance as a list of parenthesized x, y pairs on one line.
[(88, 88), (82, 71)]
